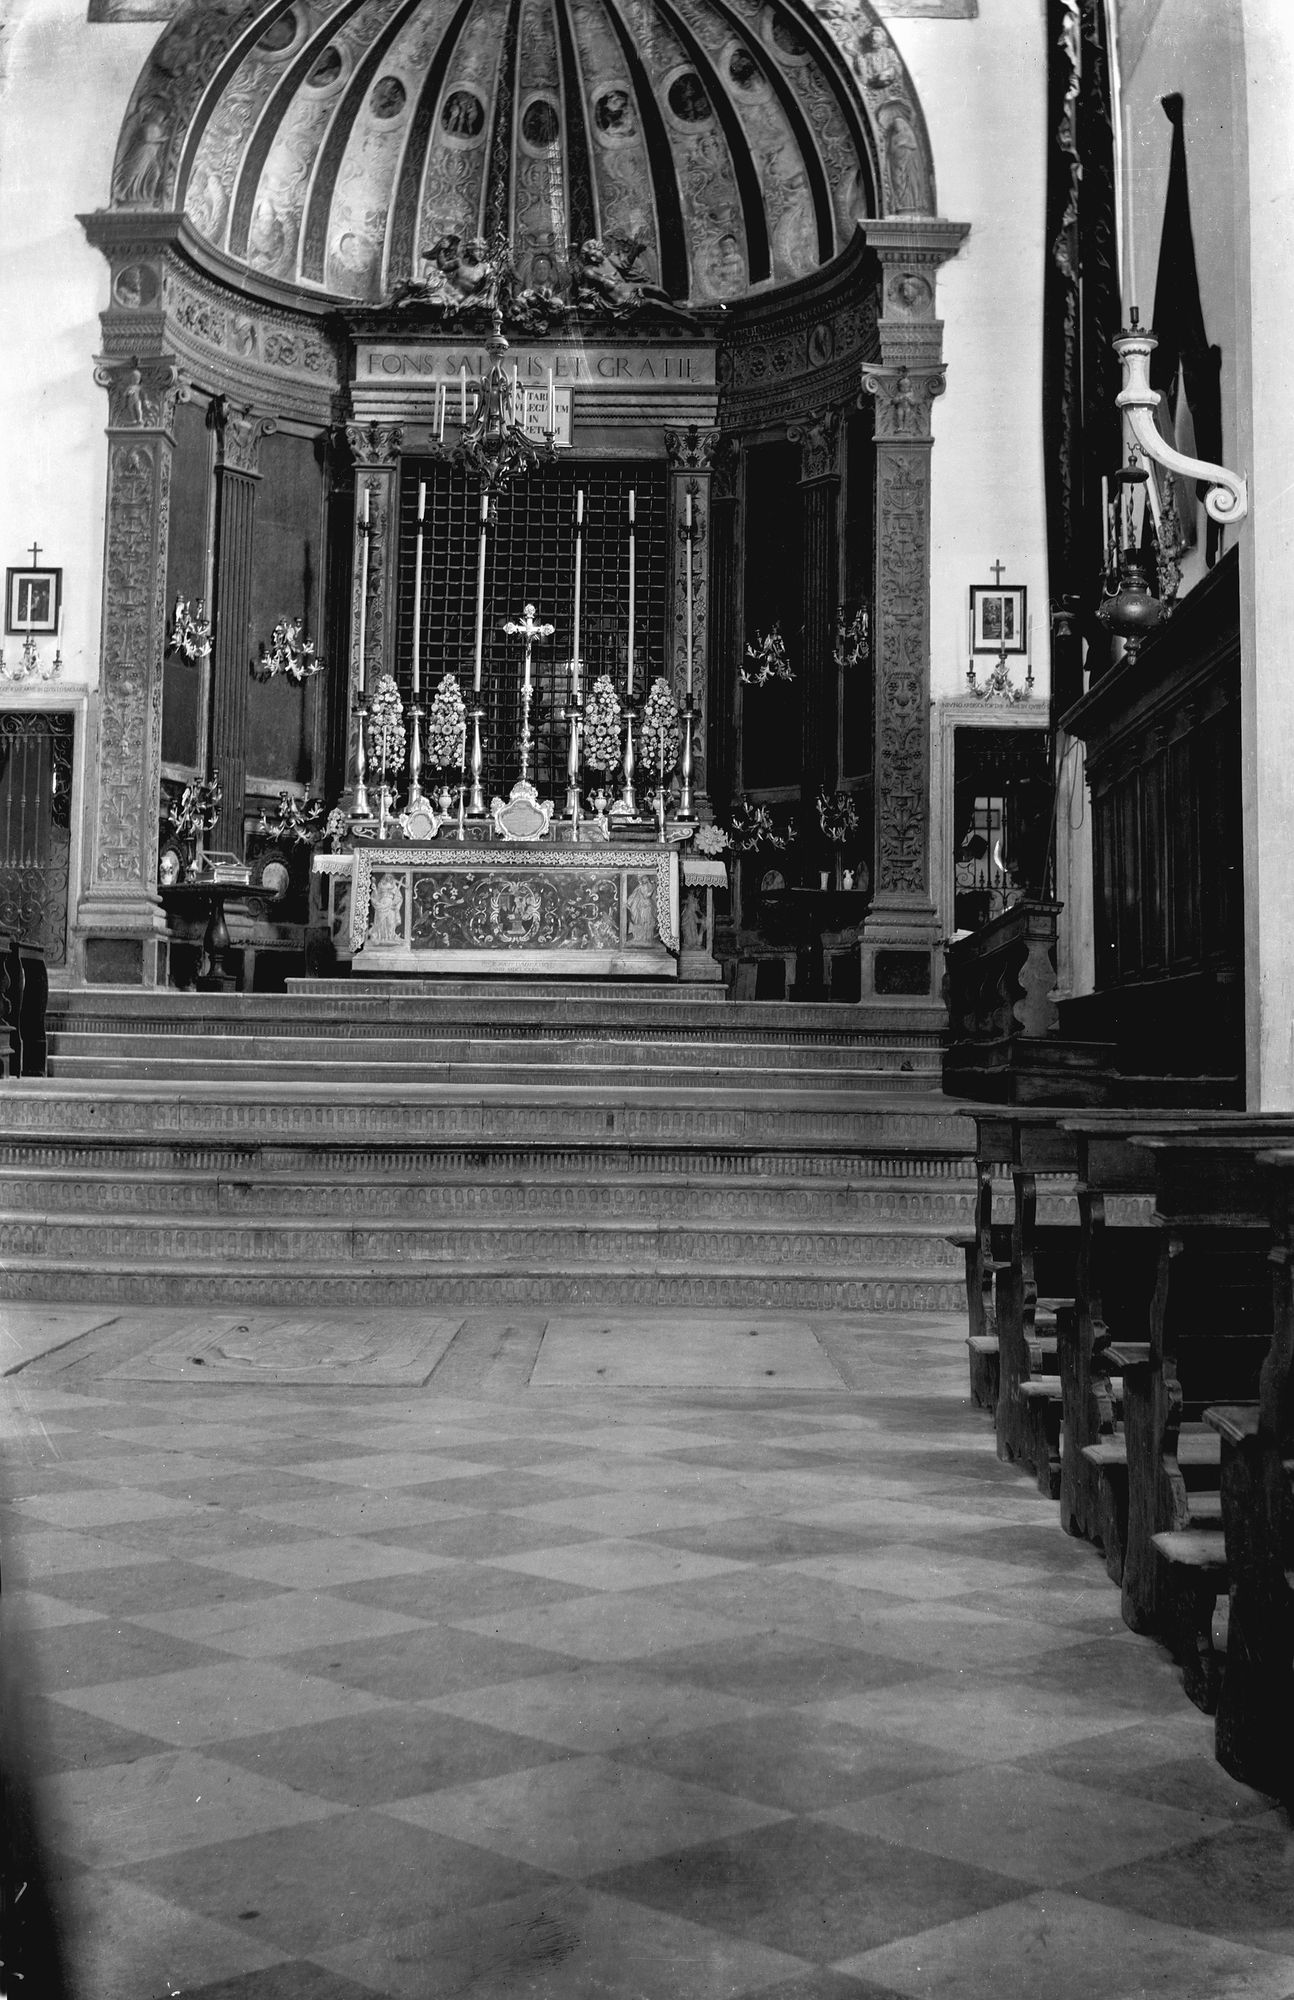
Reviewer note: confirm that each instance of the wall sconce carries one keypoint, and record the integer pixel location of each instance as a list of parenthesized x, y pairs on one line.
[(29, 665), (1227, 500), (287, 653)]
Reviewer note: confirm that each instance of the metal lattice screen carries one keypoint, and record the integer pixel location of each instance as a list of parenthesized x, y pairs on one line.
[(35, 827), (530, 559)]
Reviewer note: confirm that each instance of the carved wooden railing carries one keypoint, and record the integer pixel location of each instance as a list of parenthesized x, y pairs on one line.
[(999, 981)]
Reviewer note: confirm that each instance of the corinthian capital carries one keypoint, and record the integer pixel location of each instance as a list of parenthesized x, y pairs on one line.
[(238, 433), (903, 397), (142, 394), (375, 444), (690, 450), (819, 440)]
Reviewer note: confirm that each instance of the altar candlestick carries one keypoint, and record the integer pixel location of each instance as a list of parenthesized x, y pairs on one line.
[(480, 592), (579, 566), (417, 591), (363, 589), (690, 636), (632, 607)]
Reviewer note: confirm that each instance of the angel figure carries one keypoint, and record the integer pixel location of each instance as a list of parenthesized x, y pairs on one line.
[(607, 282)]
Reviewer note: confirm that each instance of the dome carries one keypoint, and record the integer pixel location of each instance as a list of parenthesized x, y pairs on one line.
[(718, 145)]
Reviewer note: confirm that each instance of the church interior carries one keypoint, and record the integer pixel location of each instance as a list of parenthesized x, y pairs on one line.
[(646, 965)]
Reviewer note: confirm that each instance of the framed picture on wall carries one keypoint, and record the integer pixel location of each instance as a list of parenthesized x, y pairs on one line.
[(32, 599), (997, 618)]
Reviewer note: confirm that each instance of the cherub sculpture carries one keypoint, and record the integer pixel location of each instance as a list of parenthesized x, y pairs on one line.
[(605, 282)]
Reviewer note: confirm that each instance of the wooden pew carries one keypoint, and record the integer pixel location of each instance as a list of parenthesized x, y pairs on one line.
[(1255, 1714), (1208, 1330)]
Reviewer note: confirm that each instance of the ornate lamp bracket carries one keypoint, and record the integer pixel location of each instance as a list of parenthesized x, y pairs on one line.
[(1227, 500)]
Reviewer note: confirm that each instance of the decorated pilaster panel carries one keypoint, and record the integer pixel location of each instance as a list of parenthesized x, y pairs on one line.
[(375, 449), (820, 438), (238, 438), (120, 903), (723, 684), (691, 456)]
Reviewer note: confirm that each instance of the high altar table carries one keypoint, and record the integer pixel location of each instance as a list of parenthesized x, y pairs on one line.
[(516, 907)]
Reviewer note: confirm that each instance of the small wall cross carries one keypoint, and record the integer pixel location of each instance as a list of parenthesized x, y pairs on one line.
[(999, 570), (35, 555)]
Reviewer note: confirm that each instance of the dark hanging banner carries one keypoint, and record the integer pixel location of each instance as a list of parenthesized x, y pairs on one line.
[(1081, 315), (1184, 368)]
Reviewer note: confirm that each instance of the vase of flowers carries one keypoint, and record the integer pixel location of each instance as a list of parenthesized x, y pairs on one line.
[(447, 726), (602, 726)]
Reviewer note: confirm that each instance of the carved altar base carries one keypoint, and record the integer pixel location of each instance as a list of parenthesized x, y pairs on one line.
[(524, 907)]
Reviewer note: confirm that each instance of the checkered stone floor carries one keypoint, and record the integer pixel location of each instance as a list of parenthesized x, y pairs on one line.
[(540, 1677)]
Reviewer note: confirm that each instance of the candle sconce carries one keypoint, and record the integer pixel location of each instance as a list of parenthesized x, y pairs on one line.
[(288, 654), (190, 631), (30, 665)]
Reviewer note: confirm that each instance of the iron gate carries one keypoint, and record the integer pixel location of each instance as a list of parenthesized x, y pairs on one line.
[(36, 827)]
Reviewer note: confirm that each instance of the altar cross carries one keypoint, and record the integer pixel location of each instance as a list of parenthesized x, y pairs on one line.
[(526, 627)]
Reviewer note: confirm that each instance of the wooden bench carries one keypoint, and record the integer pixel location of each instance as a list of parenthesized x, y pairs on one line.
[(1255, 1715)]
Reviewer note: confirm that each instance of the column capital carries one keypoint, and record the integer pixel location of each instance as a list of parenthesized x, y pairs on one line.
[(239, 431), (375, 444), (691, 450), (819, 438), (904, 396), (142, 391)]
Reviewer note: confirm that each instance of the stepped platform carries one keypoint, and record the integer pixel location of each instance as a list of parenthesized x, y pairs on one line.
[(444, 1143)]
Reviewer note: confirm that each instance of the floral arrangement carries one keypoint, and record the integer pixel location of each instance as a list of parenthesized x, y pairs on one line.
[(853, 639), (659, 736), (386, 728), (190, 631), (288, 653), (772, 661), (447, 725), (710, 839), (752, 827), (602, 726), (838, 816), (198, 808), (336, 826)]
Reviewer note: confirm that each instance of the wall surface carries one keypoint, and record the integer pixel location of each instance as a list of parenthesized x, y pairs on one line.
[(63, 94)]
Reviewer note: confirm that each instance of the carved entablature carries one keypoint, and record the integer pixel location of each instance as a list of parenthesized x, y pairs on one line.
[(239, 431), (903, 398), (142, 391), (819, 438)]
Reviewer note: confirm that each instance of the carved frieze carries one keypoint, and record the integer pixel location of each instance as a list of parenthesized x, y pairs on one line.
[(903, 397), (142, 392)]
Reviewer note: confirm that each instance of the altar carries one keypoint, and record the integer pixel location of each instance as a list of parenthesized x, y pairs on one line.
[(602, 910)]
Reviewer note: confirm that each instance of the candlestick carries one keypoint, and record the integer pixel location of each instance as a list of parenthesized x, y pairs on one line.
[(690, 608), (632, 581), (363, 592), (462, 388), (552, 406), (480, 593), (417, 591), (579, 570)]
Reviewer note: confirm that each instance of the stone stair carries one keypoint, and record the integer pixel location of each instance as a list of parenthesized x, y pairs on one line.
[(460, 1143)]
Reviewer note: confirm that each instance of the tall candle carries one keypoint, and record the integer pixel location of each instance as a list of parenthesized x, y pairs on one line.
[(480, 593), (579, 563), (462, 388), (690, 640), (552, 405), (363, 590), (417, 591), (632, 581), (440, 411)]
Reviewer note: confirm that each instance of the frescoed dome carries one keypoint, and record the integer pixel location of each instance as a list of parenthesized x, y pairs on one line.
[(726, 145)]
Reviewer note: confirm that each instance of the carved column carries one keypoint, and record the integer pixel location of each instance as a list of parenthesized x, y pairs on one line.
[(902, 928), (375, 449), (238, 439), (691, 455), (819, 438), (120, 916)]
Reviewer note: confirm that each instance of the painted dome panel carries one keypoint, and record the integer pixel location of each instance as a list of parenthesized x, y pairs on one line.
[(711, 147)]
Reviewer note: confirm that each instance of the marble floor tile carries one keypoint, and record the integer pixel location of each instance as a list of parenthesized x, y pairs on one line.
[(445, 1660), (1237, 1883), (123, 1942), (1035, 1832), (1070, 1949), (616, 1565), (1003, 1720), (166, 1802), (103, 1507), (320, 1562), (597, 1708), (582, 1815), (203, 1704), (292, 1621), (613, 1625)]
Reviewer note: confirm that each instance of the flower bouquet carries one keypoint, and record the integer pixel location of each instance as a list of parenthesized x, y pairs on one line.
[(386, 743), (447, 726), (710, 839), (602, 726), (659, 735)]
